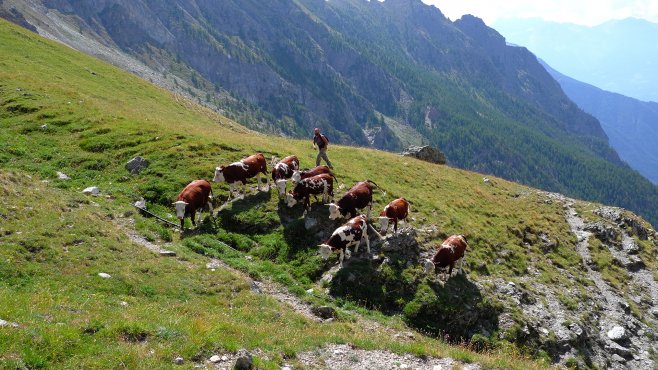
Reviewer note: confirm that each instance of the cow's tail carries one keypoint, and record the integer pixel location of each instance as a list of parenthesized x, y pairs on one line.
[(377, 186)]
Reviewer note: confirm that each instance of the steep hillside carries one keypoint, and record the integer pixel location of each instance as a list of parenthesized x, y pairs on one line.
[(545, 276), (382, 74), (631, 125)]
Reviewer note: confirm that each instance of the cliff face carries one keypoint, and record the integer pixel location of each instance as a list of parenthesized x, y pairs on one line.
[(383, 74)]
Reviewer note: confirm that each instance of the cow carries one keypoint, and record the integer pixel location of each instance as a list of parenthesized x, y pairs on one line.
[(298, 175), (353, 232), (394, 211), (282, 171), (239, 172), (451, 250), (194, 197), (358, 197), (320, 184)]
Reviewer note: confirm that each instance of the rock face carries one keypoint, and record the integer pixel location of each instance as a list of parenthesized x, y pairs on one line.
[(136, 165), (426, 153)]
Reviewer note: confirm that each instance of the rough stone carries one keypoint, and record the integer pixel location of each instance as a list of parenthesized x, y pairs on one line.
[(62, 176), (104, 275), (136, 165), (92, 190), (215, 359), (244, 362), (178, 360), (654, 312), (617, 333), (7, 323), (425, 153), (166, 253), (324, 312)]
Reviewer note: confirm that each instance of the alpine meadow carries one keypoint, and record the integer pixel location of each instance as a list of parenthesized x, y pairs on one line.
[(91, 281)]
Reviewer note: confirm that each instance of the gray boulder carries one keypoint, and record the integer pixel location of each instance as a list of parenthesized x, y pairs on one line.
[(136, 165), (426, 153)]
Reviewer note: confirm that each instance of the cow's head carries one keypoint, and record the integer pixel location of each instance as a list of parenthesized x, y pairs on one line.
[(429, 266), (325, 251), (290, 200), (180, 209), (383, 224), (334, 211), (281, 186), (296, 177), (219, 174)]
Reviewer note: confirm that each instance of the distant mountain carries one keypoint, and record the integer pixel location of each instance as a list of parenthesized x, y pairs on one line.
[(619, 56), (631, 125), (379, 74)]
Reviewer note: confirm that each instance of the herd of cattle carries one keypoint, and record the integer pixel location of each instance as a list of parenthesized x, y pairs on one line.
[(197, 195)]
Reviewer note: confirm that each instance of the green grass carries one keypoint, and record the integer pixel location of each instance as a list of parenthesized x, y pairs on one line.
[(55, 240)]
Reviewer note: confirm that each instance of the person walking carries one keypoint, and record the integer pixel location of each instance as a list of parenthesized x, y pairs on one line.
[(321, 142)]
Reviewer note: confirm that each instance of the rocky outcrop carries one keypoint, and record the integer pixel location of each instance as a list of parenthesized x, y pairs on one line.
[(426, 153)]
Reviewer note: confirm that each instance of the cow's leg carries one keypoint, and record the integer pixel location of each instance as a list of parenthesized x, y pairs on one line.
[(395, 226), (369, 209), (192, 215), (358, 243), (461, 264), (452, 264), (365, 235), (244, 189), (340, 259)]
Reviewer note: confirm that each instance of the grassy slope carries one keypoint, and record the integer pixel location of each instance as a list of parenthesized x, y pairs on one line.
[(55, 240)]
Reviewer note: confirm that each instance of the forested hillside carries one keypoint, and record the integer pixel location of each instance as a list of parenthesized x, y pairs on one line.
[(631, 124)]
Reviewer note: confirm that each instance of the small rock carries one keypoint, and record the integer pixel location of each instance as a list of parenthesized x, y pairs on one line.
[(286, 368), (625, 306), (136, 165), (310, 291), (224, 358), (617, 358), (214, 359), (324, 312), (248, 257), (166, 253), (7, 323), (617, 333), (43, 127), (141, 203), (92, 190), (178, 360), (123, 304), (244, 362), (654, 312), (62, 176), (255, 288), (104, 275)]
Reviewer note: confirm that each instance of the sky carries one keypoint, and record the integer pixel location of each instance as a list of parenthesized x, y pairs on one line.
[(583, 12)]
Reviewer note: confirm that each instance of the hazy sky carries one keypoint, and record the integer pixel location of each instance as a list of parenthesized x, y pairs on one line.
[(585, 12)]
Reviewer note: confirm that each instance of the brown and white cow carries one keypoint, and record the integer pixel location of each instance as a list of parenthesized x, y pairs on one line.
[(315, 185), (282, 171), (353, 232), (451, 250), (358, 197), (240, 172), (302, 174), (395, 211), (194, 197)]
